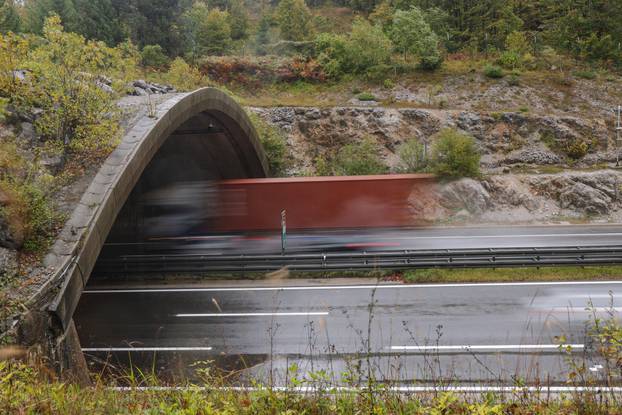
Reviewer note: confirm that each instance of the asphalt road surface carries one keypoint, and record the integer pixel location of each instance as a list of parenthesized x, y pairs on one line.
[(465, 333), (379, 239)]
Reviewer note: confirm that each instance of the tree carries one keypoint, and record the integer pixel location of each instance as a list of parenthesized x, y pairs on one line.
[(262, 37), (411, 34), (368, 46), (294, 18), (238, 20), (39, 10), (364, 50), (215, 33), (153, 56), (9, 18), (454, 155), (206, 31), (98, 20)]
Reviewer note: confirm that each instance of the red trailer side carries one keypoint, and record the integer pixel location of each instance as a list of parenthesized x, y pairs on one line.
[(319, 202)]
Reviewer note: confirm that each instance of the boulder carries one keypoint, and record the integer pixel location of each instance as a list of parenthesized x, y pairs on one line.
[(466, 194), (585, 199)]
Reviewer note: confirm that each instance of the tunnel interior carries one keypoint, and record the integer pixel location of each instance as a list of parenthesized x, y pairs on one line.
[(175, 183)]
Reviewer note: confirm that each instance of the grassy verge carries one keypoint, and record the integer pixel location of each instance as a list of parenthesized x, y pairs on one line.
[(514, 274), (26, 390)]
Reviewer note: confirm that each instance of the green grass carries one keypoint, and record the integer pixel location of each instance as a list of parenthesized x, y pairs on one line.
[(29, 390), (514, 274)]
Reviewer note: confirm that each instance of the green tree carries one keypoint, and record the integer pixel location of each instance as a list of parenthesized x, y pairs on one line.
[(39, 10), (207, 32), (365, 49), (238, 20), (454, 155), (153, 56), (262, 37), (411, 34), (79, 119), (9, 18), (98, 20), (294, 18)]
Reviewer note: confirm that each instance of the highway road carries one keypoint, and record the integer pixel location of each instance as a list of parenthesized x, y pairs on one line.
[(427, 238), (462, 333)]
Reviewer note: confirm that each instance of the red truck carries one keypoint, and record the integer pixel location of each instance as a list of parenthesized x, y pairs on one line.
[(313, 203)]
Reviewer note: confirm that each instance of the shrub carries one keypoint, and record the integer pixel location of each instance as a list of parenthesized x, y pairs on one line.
[(510, 59), (273, 143), (576, 149), (152, 56), (412, 156), (514, 80), (363, 50), (366, 96), (585, 74), (29, 211), (79, 118), (183, 76), (492, 71), (357, 159), (454, 155), (388, 83)]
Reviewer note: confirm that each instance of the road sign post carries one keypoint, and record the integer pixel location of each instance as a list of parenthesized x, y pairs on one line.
[(283, 231)]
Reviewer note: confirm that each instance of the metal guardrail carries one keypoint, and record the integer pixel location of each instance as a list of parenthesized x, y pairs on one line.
[(390, 260)]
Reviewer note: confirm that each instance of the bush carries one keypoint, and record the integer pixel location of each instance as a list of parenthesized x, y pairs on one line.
[(388, 83), (510, 60), (153, 56), (514, 80), (79, 118), (413, 158), (585, 74), (364, 49), (576, 149), (366, 96), (493, 71), (273, 143), (454, 155), (183, 76), (357, 159)]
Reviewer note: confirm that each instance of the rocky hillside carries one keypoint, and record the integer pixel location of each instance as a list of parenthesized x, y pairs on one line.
[(577, 154)]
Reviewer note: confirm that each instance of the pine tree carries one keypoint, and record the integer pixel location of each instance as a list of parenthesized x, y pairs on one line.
[(9, 18), (238, 20), (294, 19)]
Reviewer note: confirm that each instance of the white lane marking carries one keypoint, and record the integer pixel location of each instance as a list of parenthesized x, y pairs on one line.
[(276, 314), (397, 389), (491, 347), (145, 349), (582, 309), (352, 287), (546, 235)]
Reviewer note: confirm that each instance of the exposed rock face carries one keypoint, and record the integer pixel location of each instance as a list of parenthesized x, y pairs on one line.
[(527, 198), (581, 197), (503, 138), (465, 194)]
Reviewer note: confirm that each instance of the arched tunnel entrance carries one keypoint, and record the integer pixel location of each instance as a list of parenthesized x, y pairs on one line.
[(191, 138), (175, 184)]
